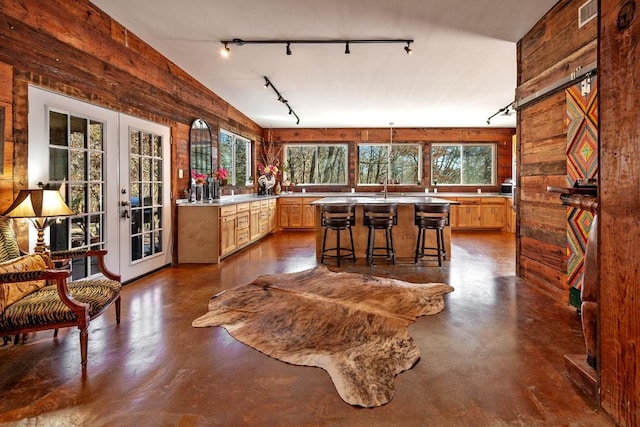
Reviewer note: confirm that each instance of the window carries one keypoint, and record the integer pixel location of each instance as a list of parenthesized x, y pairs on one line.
[(463, 164), (374, 164), (76, 157), (235, 157), (316, 164)]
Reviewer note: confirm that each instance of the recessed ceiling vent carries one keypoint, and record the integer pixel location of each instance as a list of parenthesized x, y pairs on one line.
[(587, 12)]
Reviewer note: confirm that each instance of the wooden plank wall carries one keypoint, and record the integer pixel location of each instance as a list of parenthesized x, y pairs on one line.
[(619, 211), (76, 49), (424, 136), (553, 48)]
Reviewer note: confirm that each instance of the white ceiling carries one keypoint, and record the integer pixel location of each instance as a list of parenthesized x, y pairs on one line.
[(463, 67)]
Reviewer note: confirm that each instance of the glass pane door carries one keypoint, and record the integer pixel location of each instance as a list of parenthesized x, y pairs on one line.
[(144, 197)]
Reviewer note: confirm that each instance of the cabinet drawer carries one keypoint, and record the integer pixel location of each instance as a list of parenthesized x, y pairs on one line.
[(243, 221), (308, 200), (243, 207), (255, 206), (243, 236), (291, 201), (493, 201), (470, 200), (227, 210)]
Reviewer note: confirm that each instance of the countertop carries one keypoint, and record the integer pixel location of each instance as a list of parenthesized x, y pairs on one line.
[(401, 200), (361, 197)]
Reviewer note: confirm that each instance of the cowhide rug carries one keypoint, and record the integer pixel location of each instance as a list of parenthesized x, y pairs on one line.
[(353, 326)]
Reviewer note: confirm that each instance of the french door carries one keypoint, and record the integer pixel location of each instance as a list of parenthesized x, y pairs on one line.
[(144, 198), (112, 170)]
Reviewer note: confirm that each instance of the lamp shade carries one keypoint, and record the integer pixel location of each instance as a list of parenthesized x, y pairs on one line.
[(38, 203)]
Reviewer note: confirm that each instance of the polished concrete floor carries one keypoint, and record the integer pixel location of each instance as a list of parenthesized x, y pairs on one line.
[(493, 357)]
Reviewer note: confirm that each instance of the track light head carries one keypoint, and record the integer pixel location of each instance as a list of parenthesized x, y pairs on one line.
[(267, 83), (288, 48), (346, 49), (408, 49), (225, 51)]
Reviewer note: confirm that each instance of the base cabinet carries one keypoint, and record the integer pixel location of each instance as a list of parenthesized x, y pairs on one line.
[(208, 233), (228, 220), (479, 213), (297, 212)]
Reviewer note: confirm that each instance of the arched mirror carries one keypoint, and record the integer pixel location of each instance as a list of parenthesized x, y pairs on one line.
[(201, 158)]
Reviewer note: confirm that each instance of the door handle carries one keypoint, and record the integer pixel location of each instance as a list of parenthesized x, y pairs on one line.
[(124, 203)]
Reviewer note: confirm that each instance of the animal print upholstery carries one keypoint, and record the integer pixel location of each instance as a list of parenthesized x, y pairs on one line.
[(8, 244), (46, 307), (12, 292)]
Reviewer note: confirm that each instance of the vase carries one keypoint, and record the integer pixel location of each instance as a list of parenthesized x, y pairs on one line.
[(223, 182)]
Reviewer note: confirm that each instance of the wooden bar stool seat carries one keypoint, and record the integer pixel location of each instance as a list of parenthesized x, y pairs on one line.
[(431, 217), (338, 218), (380, 216)]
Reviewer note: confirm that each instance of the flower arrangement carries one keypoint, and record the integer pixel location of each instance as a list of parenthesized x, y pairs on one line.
[(221, 174), (200, 178), (268, 170)]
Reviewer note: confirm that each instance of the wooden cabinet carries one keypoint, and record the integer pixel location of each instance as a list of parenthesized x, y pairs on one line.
[(273, 220), (479, 213), (308, 213), (291, 212), (254, 220), (468, 213), (243, 233), (227, 229), (297, 212), (207, 232), (198, 234), (493, 213)]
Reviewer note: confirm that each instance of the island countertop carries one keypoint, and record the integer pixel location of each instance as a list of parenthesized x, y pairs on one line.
[(405, 232), (400, 200)]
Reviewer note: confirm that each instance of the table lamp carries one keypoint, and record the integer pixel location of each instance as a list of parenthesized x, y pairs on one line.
[(42, 207)]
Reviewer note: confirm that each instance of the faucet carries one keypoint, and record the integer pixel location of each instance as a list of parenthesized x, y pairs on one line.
[(386, 182)]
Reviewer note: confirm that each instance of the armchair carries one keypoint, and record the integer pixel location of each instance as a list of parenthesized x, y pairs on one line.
[(34, 296)]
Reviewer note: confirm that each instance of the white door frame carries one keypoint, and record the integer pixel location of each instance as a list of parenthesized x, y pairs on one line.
[(40, 101)]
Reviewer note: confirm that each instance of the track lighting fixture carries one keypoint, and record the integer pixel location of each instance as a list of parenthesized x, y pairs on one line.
[(288, 43), (504, 111), (225, 51), (267, 83)]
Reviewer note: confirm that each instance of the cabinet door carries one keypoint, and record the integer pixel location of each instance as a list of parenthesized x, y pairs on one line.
[(493, 216), (272, 216), (255, 224), (308, 216), (291, 216), (227, 234), (468, 216)]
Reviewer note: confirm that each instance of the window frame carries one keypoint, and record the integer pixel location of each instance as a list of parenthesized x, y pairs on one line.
[(494, 162), (316, 146), (233, 170), (390, 148)]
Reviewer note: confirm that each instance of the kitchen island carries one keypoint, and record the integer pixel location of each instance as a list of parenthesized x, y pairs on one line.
[(405, 232)]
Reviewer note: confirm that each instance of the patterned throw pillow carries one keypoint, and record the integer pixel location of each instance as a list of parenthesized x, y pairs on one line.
[(8, 245), (12, 292)]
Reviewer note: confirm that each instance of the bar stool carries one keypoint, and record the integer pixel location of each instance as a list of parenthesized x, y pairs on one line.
[(338, 218), (378, 216), (431, 217)]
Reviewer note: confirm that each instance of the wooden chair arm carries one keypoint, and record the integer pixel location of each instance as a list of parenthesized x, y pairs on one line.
[(85, 253)]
